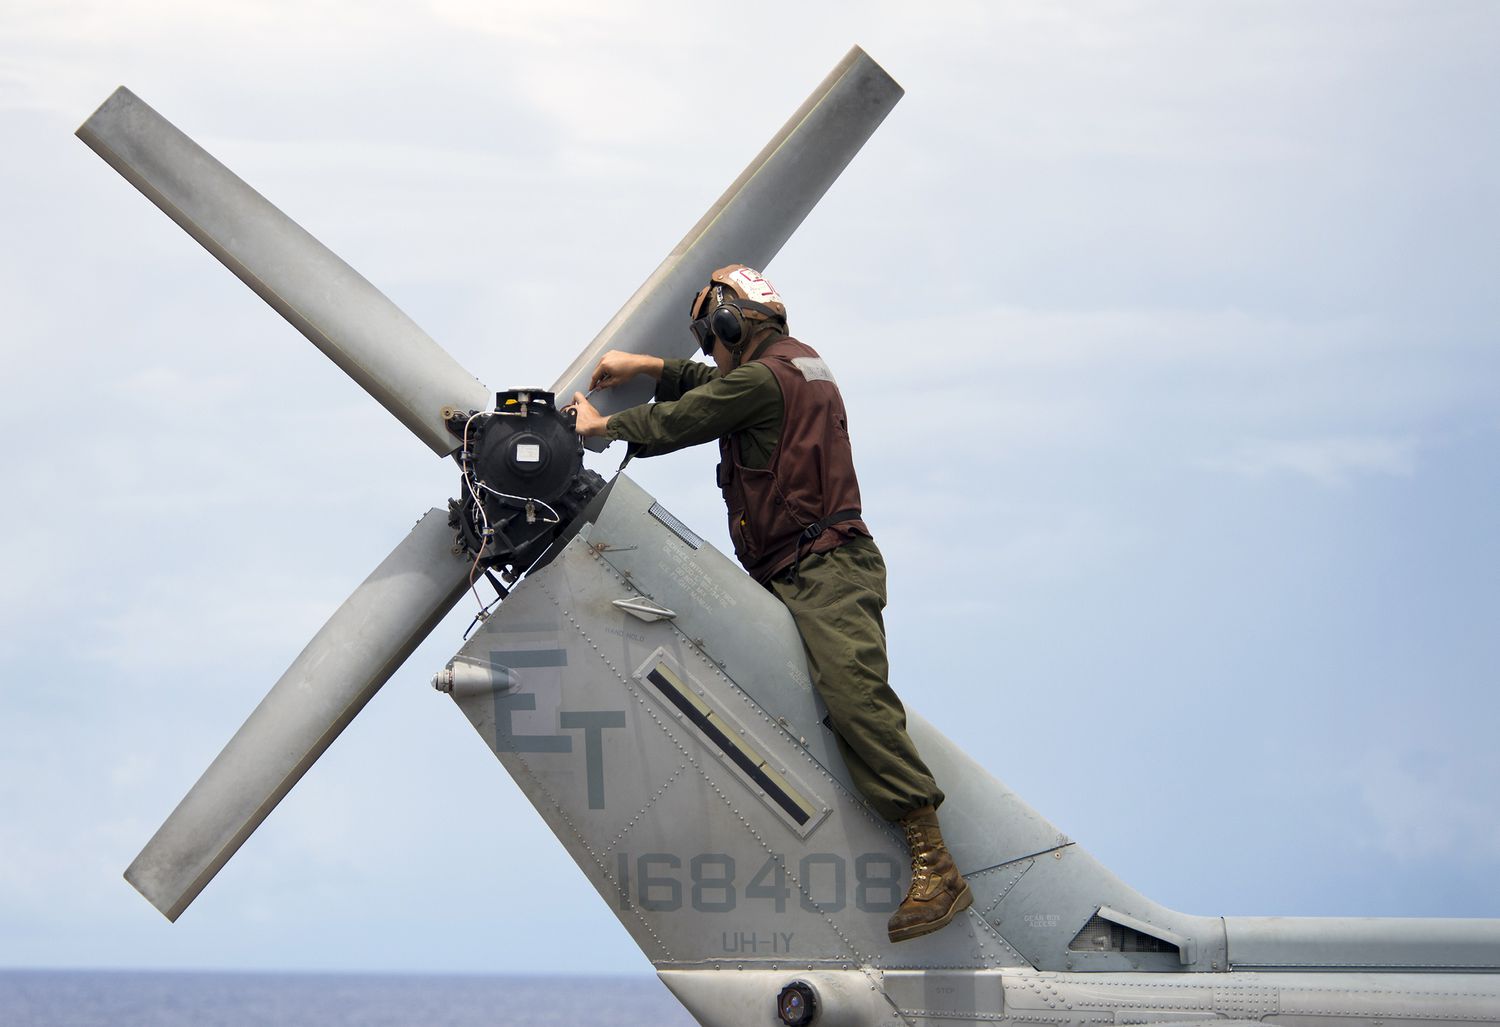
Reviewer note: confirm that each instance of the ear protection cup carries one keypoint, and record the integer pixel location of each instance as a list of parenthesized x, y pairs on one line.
[(728, 325)]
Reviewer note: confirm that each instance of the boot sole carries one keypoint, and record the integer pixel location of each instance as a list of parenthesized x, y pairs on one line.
[(964, 901)]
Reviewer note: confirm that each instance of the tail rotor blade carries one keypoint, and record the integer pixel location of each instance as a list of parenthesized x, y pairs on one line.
[(749, 223), (325, 299), (345, 664)]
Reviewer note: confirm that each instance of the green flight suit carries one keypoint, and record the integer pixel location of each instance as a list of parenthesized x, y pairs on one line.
[(837, 597)]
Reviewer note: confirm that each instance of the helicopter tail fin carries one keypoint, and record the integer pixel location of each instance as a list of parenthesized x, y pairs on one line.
[(652, 701)]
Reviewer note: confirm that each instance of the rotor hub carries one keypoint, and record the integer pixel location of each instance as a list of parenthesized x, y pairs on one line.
[(523, 478)]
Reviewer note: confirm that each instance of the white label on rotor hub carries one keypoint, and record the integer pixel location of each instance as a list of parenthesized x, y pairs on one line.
[(528, 453)]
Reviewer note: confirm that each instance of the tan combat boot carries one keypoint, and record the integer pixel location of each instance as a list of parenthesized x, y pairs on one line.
[(938, 891)]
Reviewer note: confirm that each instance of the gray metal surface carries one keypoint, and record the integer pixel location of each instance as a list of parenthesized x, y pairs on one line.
[(1041, 904), (671, 792), (1362, 943), (699, 862), (747, 225), (325, 299), (732, 997), (1031, 883), (728, 996), (345, 664), (689, 854), (1293, 1000)]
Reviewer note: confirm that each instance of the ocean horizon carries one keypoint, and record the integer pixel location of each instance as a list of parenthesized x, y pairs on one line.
[(226, 998)]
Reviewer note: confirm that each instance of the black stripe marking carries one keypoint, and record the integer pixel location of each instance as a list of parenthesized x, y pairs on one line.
[(728, 748)]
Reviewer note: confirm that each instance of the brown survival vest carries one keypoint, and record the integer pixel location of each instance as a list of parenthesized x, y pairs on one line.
[(806, 500)]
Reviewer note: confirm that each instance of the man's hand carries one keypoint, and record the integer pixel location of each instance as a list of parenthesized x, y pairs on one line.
[(617, 367), (590, 421)]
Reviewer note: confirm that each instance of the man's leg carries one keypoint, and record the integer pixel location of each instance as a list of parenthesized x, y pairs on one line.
[(836, 603)]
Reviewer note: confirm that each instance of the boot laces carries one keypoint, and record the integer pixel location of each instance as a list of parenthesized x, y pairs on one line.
[(916, 842)]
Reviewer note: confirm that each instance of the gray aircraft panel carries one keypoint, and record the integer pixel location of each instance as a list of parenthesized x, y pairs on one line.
[(675, 899), (702, 823), (992, 885), (946, 995), (1291, 1000), (946, 998), (841, 871), (707, 589), (525, 734), (750, 635), (731, 997), (1036, 891), (1065, 889), (747, 630), (1362, 943)]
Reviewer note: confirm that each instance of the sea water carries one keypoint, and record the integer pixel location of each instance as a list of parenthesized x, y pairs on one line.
[(113, 998)]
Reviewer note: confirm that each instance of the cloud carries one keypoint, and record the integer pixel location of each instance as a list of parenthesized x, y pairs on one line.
[(1426, 804), (1330, 461), (170, 622)]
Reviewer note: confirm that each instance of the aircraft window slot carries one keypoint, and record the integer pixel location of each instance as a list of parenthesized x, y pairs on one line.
[(1101, 935), (675, 526), (774, 787)]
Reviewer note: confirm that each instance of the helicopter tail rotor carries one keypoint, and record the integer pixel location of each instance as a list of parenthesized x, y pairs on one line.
[(325, 299), (341, 669)]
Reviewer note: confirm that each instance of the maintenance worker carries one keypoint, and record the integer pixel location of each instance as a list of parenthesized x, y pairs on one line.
[(787, 474)]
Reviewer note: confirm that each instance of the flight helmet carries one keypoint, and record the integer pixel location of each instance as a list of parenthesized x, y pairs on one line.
[(734, 303)]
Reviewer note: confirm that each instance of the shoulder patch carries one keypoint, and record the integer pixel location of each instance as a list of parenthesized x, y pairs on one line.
[(813, 369)]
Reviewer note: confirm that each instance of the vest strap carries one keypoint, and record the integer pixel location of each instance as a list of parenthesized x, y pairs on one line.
[(811, 533)]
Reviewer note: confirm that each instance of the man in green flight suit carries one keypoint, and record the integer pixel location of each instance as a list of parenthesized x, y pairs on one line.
[(788, 479)]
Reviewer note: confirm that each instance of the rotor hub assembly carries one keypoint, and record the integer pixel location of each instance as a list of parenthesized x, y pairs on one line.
[(523, 478)]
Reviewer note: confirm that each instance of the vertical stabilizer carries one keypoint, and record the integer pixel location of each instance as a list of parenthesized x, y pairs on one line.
[(652, 701)]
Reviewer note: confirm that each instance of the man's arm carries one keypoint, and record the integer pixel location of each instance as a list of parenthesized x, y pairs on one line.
[(747, 397), (673, 377), (617, 367), (679, 377)]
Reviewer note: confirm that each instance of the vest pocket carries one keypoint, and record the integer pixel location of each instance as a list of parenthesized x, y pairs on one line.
[(740, 537)]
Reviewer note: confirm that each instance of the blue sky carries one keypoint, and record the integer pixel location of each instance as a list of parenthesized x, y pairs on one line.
[(1170, 359)]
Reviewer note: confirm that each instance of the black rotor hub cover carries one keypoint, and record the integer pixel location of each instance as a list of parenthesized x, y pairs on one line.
[(523, 480)]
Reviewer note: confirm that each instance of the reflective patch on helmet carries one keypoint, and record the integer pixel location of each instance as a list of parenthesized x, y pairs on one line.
[(754, 286), (813, 369)]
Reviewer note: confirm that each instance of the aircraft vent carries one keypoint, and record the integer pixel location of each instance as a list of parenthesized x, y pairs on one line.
[(1101, 935), (675, 526), (775, 786)]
